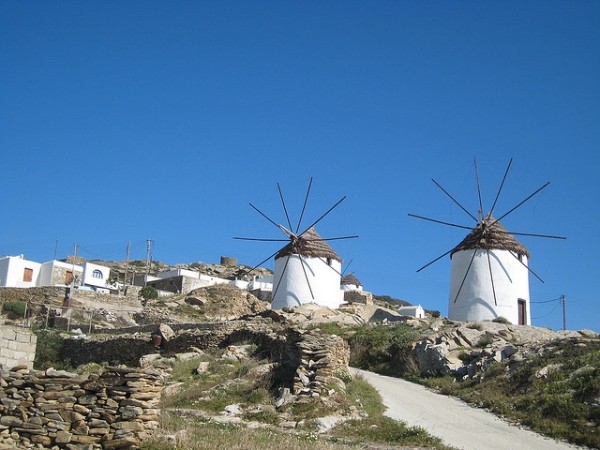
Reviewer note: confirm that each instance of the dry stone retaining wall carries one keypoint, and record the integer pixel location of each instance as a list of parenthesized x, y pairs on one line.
[(17, 346), (311, 356), (320, 358), (56, 409)]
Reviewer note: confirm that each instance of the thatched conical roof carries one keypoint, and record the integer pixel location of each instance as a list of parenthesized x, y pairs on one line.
[(350, 279), (489, 234), (309, 244)]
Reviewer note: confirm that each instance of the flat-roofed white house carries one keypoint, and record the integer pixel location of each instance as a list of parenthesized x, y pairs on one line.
[(60, 273), (16, 271), (182, 281), (96, 276), (261, 286)]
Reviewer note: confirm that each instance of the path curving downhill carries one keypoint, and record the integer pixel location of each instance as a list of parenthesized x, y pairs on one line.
[(455, 422)]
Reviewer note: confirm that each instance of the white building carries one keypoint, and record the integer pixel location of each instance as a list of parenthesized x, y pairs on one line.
[(307, 270), (60, 273), (261, 283), (16, 271), (489, 276), (96, 276), (413, 311), (182, 281)]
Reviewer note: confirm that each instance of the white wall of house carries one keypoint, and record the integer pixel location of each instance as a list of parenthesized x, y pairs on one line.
[(240, 284), (16, 271), (476, 299), (95, 275), (294, 290), (56, 273), (351, 287), (412, 311), (178, 273), (201, 280), (261, 283)]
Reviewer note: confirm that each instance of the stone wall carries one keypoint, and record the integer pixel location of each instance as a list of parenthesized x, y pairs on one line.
[(311, 357), (358, 297), (320, 358), (127, 349), (56, 409), (17, 346), (34, 295)]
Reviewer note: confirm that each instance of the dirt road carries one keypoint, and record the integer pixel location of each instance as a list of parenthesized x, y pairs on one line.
[(452, 420)]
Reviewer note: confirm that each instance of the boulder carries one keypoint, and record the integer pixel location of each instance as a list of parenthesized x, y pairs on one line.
[(165, 332)]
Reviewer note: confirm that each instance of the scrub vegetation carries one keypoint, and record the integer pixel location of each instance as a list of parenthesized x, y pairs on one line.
[(193, 398), (556, 393)]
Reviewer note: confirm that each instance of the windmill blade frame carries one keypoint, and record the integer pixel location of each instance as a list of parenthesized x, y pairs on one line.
[(296, 244)]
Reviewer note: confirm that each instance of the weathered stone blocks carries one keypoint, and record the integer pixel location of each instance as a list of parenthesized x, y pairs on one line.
[(67, 415)]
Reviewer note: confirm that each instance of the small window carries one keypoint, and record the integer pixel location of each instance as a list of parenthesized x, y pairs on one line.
[(68, 277), (97, 274), (27, 274)]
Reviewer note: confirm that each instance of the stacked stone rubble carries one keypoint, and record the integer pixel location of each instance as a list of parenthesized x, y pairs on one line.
[(321, 357), (56, 409)]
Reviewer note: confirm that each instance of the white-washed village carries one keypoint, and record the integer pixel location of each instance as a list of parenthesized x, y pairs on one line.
[(102, 309)]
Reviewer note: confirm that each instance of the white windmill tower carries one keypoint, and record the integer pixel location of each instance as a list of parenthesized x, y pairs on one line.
[(490, 267), (307, 269)]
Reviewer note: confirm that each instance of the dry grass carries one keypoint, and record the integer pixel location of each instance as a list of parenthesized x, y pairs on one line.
[(185, 434)]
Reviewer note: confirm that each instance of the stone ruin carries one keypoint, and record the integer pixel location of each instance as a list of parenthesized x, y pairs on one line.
[(118, 408)]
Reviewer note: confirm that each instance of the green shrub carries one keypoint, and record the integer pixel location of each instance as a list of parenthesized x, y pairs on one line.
[(381, 348), (503, 320), (17, 308), (149, 293), (485, 340), (48, 351)]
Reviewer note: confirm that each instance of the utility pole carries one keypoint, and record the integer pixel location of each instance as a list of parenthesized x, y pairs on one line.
[(563, 299), (127, 263), (148, 259), (74, 260)]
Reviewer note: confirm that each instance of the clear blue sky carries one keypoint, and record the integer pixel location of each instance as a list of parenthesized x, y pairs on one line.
[(127, 121)]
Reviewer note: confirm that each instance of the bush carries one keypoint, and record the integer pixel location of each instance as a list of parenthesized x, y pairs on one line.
[(503, 320), (149, 293), (17, 308), (48, 349), (381, 348)]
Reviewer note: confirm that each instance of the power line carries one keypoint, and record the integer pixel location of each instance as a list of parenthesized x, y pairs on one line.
[(548, 301), (546, 315)]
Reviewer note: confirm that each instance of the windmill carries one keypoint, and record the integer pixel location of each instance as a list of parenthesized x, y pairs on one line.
[(489, 268), (307, 269)]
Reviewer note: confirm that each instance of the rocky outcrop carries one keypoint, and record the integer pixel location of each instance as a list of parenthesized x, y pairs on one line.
[(466, 349), (220, 302), (56, 409)]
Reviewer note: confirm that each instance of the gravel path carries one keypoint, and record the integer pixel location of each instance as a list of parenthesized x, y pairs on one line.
[(456, 423)]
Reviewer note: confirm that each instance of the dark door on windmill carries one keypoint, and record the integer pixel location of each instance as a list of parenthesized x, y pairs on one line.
[(522, 312)]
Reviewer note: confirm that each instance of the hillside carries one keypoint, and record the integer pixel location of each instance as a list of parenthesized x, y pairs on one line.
[(546, 380)]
